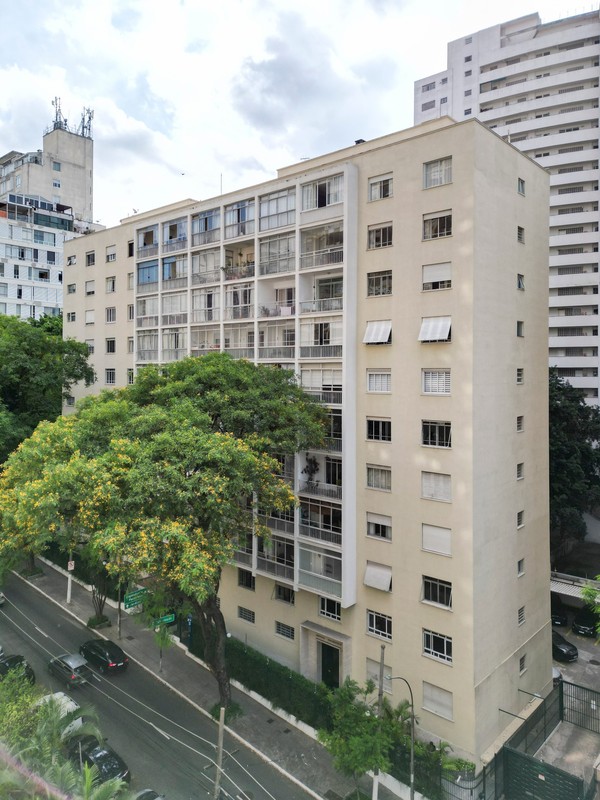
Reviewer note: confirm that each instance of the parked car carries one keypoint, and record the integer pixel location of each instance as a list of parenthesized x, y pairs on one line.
[(2, 599), (105, 655), (71, 668), (558, 611), (66, 705), (88, 750), (557, 676), (585, 622), (562, 650), (7, 663), (148, 794)]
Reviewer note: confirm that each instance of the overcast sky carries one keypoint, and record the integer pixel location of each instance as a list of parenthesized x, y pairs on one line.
[(191, 96)]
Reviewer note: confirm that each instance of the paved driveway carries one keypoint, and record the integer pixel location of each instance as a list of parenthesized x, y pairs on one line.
[(586, 670)]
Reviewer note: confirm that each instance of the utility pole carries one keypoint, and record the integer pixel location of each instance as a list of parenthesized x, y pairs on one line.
[(219, 754), (375, 792)]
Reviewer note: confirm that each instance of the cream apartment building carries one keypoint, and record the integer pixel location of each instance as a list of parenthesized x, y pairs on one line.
[(404, 281), (536, 85)]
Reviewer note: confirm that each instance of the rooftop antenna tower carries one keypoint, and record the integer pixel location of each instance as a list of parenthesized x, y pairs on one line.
[(59, 120), (85, 126)]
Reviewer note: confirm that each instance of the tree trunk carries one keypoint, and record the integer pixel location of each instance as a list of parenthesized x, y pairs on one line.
[(214, 633), (30, 562)]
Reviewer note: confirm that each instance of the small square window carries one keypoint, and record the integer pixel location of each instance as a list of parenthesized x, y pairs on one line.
[(56, 166), (520, 471), (468, 58), (467, 112), (520, 328), (71, 316), (520, 234), (521, 615), (71, 288), (287, 631), (520, 374), (520, 281), (520, 423), (522, 664), (285, 594), (468, 92), (70, 400), (246, 579), (332, 609), (246, 614), (468, 73), (520, 518), (521, 566)]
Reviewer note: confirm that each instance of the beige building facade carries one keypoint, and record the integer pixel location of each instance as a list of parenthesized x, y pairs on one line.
[(404, 281)]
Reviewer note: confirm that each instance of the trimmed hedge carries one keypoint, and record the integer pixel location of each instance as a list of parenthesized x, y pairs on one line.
[(286, 689)]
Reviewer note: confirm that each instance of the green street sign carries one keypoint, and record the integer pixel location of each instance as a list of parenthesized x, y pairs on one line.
[(164, 620), (134, 598)]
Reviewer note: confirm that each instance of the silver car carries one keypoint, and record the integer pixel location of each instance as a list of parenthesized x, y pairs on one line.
[(71, 668)]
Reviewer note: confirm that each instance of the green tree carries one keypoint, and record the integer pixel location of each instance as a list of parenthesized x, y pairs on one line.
[(574, 463), (37, 368)]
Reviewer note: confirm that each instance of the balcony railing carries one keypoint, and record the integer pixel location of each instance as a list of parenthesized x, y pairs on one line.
[(147, 288), (147, 322), (147, 355), (280, 353), (239, 273), (147, 250), (277, 568), (205, 315), (327, 304), (240, 352), (179, 282), (213, 276), (319, 583), (321, 351), (276, 310), (320, 258), (321, 489), (333, 398), (278, 524), (174, 354), (241, 557), (322, 534), (333, 444), (206, 237), (274, 266), (239, 312), (175, 319), (175, 244)]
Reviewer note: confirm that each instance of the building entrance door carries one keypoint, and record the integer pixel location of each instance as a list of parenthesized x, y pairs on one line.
[(330, 665)]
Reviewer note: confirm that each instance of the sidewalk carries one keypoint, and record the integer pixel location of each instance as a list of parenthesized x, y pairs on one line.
[(274, 738)]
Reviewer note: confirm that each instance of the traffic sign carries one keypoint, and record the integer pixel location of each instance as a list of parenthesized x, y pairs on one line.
[(134, 598), (168, 618), (70, 566)]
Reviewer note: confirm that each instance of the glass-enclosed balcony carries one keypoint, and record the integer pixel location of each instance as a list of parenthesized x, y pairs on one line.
[(321, 520), (277, 254), (174, 235), (206, 227), (322, 246), (276, 557), (321, 338), (276, 341), (320, 570)]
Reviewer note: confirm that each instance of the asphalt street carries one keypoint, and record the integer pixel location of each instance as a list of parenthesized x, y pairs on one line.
[(167, 743)]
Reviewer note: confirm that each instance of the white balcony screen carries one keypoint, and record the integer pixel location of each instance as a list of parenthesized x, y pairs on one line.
[(378, 576), (378, 332)]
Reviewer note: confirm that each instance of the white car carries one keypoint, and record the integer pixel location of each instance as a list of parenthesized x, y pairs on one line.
[(66, 706)]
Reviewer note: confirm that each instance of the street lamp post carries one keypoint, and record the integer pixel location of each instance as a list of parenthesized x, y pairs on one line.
[(412, 732)]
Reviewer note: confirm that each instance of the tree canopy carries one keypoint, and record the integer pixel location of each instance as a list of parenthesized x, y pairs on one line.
[(162, 477), (37, 368), (574, 462)]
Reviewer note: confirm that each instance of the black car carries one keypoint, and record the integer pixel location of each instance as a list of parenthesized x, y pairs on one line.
[(70, 668), (149, 794), (105, 655), (585, 622), (8, 663), (562, 650), (88, 750), (558, 611)]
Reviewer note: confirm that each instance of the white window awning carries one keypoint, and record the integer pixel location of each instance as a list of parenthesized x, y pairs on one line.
[(378, 332), (435, 329), (378, 576)]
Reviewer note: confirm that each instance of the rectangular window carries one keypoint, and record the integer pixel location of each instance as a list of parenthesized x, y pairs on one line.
[(111, 345), (90, 259), (130, 344), (379, 236), (90, 346), (379, 283), (379, 624), (427, 87), (436, 329), (522, 664), (436, 434), (281, 629), (379, 382), (520, 471), (71, 316), (56, 166), (521, 615), (521, 567), (130, 376), (381, 187), (378, 332), (437, 645), (437, 700), (379, 478), (436, 276), (520, 518), (520, 374), (239, 219), (436, 381), (89, 317), (110, 377), (130, 311), (321, 193), (379, 526), (90, 287), (437, 591), (437, 225), (520, 234), (520, 281), (437, 173), (70, 400), (246, 614), (332, 609), (246, 579), (428, 105), (520, 424), (520, 186), (71, 261), (111, 254), (111, 285), (467, 110), (111, 314), (71, 288), (284, 594), (130, 250), (436, 486), (130, 280), (520, 328), (379, 430), (277, 209)]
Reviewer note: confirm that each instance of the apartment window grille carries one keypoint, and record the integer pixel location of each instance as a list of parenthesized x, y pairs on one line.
[(379, 236), (287, 631), (436, 434), (381, 187), (284, 594), (111, 346), (321, 193), (520, 281), (379, 526), (437, 173), (246, 614), (523, 664), (246, 579), (436, 486), (436, 276), (437, 225), (438, 701), (520, 234), (520, 518), (437, 645), (436, 381), (520, 375), (379, 430), (520, 471), (379, 381), (110, 377), (437, 591), (520, 423), (379, 283), (379, 624), (521, 615), (379, 478), (332, 609), (111, 314)]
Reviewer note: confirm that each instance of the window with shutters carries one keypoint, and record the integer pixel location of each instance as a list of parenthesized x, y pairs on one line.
[(436, 486), (379, 381), (436, 381), (437, 276), (436, 539)]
